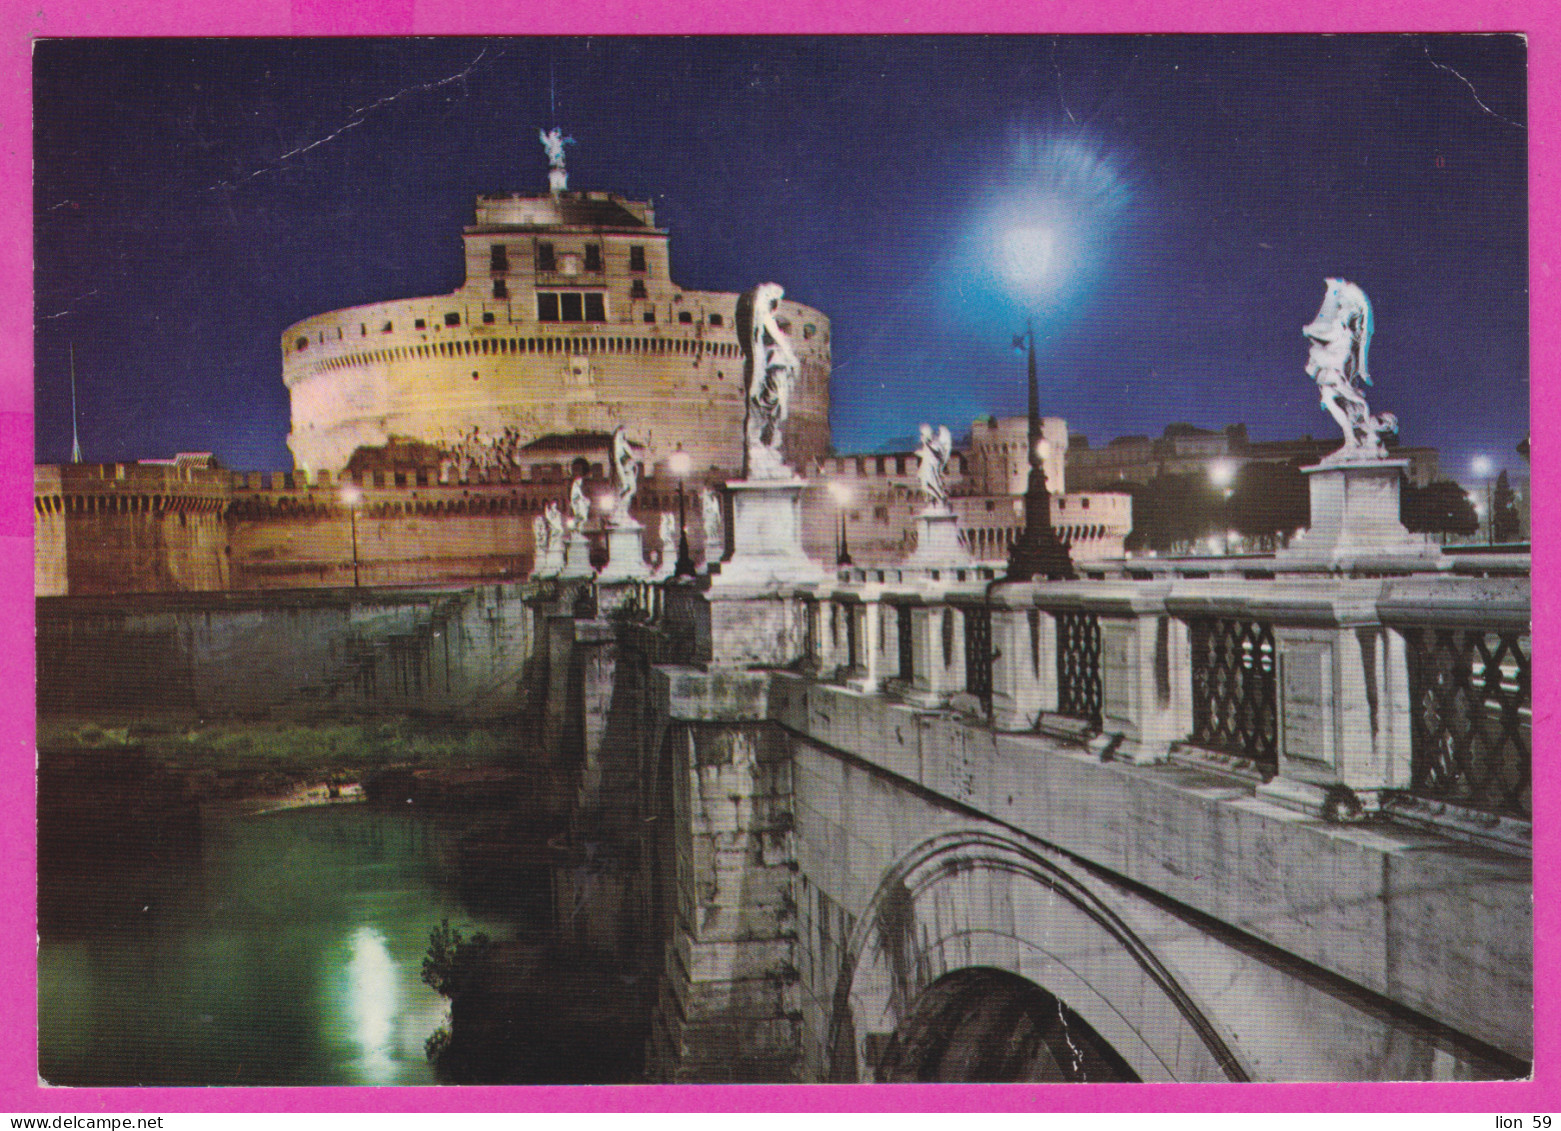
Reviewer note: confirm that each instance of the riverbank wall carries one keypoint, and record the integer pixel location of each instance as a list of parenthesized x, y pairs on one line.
[(458, 654)]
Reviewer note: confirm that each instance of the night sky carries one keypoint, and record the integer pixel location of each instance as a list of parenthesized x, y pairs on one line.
[(195, 197)]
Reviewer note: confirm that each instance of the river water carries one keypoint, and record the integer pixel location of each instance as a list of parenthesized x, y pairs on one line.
[(286, 949)]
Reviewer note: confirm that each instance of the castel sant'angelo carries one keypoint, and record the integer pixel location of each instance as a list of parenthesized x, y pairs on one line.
[(569, 323), (429, 433)]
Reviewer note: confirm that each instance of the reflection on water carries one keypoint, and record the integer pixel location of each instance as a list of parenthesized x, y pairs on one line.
[(372, 1004), (288, 951)]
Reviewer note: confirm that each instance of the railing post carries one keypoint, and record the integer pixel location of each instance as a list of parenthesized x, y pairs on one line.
[(938, 653), (1337, 706), (867, 673), (1024, 662), (1144, 674)]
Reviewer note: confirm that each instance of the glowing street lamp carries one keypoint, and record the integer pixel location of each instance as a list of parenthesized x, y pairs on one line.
[(1222, 473), (842, 496), (352, 498), (681, 465)]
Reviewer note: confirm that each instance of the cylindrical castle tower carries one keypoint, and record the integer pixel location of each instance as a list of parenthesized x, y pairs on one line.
[(568, 321)]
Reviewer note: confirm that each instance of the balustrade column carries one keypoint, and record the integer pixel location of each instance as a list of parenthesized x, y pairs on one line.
[(1145, 680), (938, 655), (1342, 713), (1024, 661), (867, 672)]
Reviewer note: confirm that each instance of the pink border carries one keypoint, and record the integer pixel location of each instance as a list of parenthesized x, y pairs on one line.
[(23, 21)]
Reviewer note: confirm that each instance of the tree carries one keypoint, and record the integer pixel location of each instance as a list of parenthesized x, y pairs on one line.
[(1441, 507), (1172, 513), (1504, 512), (1269, 502)]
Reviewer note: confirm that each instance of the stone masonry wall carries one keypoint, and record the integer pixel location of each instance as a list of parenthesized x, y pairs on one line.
[(453, 654)]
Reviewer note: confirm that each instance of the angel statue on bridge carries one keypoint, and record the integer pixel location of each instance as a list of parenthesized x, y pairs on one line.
[(579, 503), (770, 368), (932, 465), (626, 473), (1340, 336)]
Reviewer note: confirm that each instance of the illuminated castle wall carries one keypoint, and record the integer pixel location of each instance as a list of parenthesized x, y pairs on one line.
[(568, 321)]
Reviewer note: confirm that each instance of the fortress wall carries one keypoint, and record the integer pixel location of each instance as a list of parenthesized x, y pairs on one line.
[(129, 528), (314, 548), (353, 384)]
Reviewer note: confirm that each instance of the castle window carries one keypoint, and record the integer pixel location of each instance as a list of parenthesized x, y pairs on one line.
[(547, 307), (487, 315), (452, 319), (685, 316), (421, 324), (570, 306), (301, 344), (637, 289), (650, 316), (498, 259), (637, 257), (808, 330), (545, 258), (715, 320), (500, 290), (1084, 503), (593, 257), (387, 327), (363, 329), (595, 308)]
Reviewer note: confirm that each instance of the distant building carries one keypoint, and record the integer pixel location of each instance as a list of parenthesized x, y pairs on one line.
[(987, 480), (1183, 449)]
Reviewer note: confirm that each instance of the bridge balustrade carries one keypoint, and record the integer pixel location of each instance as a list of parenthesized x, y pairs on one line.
[(1402, 691)]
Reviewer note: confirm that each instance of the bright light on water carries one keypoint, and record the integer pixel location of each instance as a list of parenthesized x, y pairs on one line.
[(373, 1001)]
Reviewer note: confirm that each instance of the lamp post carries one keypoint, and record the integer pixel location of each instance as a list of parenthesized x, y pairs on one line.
[(352, 497), (1038, 552), (842, 496), (685, 563)]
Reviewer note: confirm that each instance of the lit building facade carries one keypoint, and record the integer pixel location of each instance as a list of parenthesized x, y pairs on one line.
[(568, 322)]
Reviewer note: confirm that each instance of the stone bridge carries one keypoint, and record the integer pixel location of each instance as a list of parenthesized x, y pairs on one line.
[(1166, 826)]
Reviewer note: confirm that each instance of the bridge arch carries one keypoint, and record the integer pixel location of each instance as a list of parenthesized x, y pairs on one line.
[(974, 937)]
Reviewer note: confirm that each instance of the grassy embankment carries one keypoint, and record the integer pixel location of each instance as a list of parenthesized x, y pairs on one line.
[(253, 758)]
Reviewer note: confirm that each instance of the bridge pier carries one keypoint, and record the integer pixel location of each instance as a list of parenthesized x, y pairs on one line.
[(729, 1010)]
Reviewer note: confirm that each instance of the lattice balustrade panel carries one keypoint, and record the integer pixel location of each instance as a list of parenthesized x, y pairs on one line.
[(978, 654), (1234, 696), (1472, 720), (1079, 693)]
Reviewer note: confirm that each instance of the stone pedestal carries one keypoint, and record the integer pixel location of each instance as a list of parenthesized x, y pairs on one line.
[(937, 543), (550, 562), (751, 613), (577, 556), (625, 553), (767, 536), (1355, 519)]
